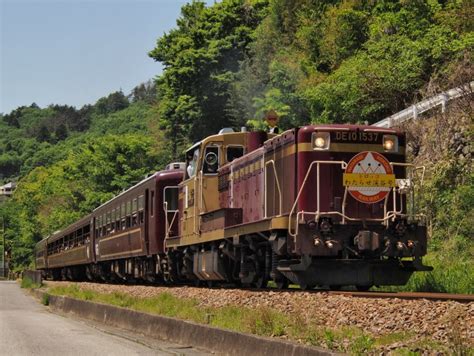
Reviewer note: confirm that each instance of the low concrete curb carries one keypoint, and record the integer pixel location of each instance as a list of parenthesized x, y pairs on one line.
[(220, 341)]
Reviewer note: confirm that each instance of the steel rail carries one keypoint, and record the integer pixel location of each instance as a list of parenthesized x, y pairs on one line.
[(462, 298)]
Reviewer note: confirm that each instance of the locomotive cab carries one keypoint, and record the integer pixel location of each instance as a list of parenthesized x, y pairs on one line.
[(198, 193)]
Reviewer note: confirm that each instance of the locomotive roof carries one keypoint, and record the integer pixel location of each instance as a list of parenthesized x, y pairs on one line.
[(218, 137), (351, 127)]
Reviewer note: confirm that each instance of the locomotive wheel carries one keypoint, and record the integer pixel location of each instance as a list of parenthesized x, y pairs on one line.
[(56, 273), (363, 288), (334, 287), (260, 283), (282, 284), (211, 284), (305, 286), (89, 275)]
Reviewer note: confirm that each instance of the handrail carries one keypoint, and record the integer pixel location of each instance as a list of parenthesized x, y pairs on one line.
[(168, 225), (165, 208), (388, 214), (425, 105), (278, 186), (198, 203), (343, 166)]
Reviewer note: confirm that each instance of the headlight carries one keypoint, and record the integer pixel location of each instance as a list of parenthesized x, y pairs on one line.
[(390, 143), (211, 158), (321, 140)]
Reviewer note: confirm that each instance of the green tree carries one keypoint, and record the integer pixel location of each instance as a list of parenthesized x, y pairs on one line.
[(112, 103), (201, 57)]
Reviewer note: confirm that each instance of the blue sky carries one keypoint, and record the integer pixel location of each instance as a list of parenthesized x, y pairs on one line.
[(76, 51)]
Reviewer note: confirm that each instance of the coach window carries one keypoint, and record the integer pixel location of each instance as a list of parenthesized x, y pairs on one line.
[(141, 208), (134, 212), (78, 238), (112, 221), (108, 222), (117, 218), (87, 230), (211, 159), (96, 226), (123, 214), (101, 227), (129, 213), (104, 224), (73, 239), (233, 152), (171, 198)]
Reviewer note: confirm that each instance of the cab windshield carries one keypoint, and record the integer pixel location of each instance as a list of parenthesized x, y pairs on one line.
[(192, 162)]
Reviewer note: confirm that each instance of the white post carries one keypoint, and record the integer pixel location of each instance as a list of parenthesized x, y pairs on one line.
[(444, 101)]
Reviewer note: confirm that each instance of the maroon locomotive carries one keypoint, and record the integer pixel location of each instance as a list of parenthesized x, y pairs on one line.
[(317, 205)]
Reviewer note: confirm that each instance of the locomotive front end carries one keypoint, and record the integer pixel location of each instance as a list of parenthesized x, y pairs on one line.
[(354, 220)]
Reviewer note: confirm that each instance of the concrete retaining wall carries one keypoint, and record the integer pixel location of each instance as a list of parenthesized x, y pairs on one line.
[(35, 276), (222, 342)]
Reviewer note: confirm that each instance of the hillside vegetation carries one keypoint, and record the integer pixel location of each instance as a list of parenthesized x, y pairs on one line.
[(226, 65)]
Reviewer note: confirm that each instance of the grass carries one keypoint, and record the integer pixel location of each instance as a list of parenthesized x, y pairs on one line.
[(45, 299), (260, 321), (28, 283), (263, 321), (453, 273)]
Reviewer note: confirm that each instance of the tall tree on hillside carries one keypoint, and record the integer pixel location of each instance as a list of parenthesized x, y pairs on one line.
[(43, 134), (145, 92), (61, 132), (112, 103), (70, 117), (201, 57)]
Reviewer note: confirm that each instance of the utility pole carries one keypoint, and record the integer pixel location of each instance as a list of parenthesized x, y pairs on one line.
[(3, 245), (3, 249)]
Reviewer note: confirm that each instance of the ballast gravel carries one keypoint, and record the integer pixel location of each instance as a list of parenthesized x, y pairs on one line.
[(441, 321)]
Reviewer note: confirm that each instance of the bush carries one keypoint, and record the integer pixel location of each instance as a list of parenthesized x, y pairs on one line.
[(28, 283), (45, 299)]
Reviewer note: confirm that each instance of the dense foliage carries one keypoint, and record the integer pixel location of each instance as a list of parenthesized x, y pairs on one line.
[(226, 65), (311, 61), (103, 149)]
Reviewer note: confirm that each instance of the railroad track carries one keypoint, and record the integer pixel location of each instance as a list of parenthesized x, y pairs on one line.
[(462, 298)]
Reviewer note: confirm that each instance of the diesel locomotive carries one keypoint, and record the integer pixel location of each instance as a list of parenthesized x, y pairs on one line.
[(319, 205)]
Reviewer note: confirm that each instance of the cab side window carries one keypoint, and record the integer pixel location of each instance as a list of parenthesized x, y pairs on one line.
[(233, 152)]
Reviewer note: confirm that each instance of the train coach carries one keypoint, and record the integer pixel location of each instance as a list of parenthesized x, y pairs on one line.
[(330, 205), (120, 240)]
